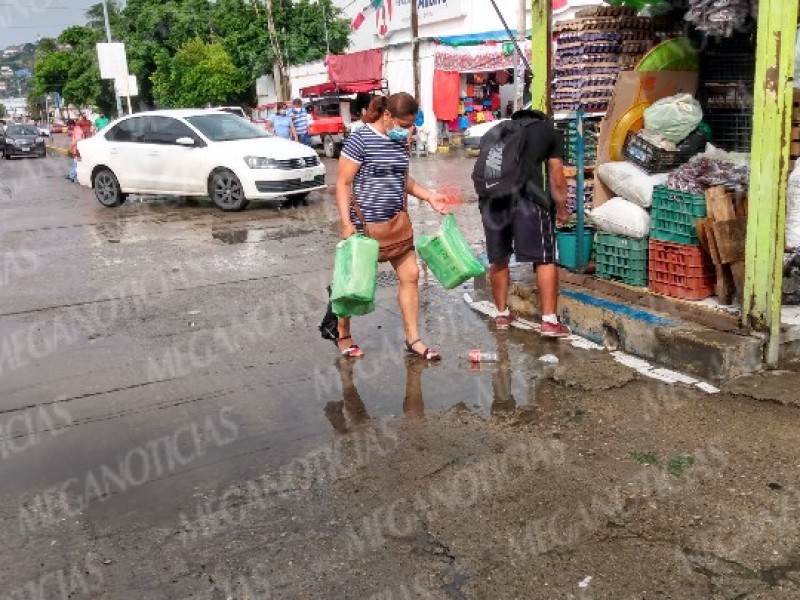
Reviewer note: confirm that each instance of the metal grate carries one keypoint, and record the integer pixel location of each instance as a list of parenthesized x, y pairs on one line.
[(387, 279), (288, 185)]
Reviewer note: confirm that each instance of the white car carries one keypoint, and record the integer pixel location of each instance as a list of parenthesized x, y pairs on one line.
[(44, 131), (473, 135), (195, 153)]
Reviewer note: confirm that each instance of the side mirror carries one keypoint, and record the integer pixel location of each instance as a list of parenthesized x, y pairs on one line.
[(185, 141)]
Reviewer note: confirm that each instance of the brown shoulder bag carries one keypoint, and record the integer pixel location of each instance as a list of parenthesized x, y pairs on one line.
[(395, 237)]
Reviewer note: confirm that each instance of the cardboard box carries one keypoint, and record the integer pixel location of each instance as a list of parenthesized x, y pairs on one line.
[(634, 88)]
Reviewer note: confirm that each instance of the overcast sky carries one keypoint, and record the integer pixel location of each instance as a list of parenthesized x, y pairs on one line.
[(23, 21)]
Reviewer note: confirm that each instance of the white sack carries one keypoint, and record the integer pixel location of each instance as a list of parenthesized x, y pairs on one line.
[(621, 217), (630, 182)]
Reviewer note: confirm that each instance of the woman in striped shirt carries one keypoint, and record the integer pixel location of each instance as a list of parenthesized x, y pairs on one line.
[(373, 168)]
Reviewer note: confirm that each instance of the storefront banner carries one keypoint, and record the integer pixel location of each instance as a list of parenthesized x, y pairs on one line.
[(428, 12), (472, 59)]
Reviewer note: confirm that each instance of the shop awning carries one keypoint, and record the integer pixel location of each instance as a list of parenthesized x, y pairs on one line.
[(358, 70), (473, 39), (353, 87)]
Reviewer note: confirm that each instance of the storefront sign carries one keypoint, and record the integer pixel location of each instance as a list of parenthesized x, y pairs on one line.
[(428, 12)]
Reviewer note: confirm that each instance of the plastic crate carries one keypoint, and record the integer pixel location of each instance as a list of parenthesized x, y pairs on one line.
[(681, 271), (674, 214), (652, 158), (620, 258)]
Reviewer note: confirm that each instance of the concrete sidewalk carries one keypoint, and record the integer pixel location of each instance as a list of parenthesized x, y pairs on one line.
[(688, 339)]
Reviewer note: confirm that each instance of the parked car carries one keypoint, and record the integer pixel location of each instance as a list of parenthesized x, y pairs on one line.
[(234, 110), (44, 131), (57, 127), (22, 140), (196, 153), (474, 133)]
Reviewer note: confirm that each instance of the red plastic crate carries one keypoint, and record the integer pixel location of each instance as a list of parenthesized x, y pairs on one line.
[(681, 271)]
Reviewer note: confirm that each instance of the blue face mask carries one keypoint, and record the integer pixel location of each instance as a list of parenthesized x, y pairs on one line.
[(397, 134)]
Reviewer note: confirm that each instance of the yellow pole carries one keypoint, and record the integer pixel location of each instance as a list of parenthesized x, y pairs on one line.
[(541, 48), (772, 107)]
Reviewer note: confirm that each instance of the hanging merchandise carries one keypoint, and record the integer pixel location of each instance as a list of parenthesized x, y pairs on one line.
[(718, 17), (471, 59), (502, 77), (445, 95)]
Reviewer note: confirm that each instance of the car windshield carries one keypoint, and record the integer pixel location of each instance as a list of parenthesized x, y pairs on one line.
[(21, 130), (226, 127)]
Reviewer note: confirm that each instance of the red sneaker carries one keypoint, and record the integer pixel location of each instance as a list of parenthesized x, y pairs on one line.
[(503, 321), (558, 330)]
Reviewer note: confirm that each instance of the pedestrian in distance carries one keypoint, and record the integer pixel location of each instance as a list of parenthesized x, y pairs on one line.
[(281, 124), (300, 120), (517, 212), (371, 195), (76, 136), (101, 122)]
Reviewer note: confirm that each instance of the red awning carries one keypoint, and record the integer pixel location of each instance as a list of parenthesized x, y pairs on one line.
[(357, 69), (318, 90), (348, 88)]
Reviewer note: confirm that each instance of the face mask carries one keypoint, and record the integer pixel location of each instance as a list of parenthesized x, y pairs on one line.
[(397, 134)]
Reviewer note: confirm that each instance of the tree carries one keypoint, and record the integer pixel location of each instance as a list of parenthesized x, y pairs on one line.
[(197, 75), (3, 111)]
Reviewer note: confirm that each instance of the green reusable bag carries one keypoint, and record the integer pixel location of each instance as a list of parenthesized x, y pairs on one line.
[(448, 256), (355, 276)]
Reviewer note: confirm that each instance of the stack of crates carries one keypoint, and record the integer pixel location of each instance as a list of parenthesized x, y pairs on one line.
[(620, 258), (679, 267)]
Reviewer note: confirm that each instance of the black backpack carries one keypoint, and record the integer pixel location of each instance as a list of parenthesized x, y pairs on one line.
[(500, 171)]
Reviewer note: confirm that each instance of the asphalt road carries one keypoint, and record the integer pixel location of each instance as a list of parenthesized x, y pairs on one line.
[(172, 426)]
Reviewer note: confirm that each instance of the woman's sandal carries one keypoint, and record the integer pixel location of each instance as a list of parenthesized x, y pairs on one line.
[(352, 352), (427, 354)]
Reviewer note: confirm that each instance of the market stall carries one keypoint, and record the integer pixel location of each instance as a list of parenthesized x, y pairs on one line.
[(473, 84), (681, 152)]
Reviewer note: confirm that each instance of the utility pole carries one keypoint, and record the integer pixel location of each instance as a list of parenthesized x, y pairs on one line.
[(415, 47), (325, 27), (519, 75), (108, 39), (278, 68)]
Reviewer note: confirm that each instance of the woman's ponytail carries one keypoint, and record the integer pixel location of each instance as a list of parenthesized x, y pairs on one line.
[(377, 106)]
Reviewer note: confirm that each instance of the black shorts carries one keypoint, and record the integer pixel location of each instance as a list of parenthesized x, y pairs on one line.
[(518, 227)]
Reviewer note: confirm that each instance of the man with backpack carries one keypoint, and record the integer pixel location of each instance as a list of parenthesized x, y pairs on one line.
[(518, 212)]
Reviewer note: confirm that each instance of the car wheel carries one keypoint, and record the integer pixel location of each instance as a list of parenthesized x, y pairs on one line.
[(107, 189), (226, 191), (330, 147)]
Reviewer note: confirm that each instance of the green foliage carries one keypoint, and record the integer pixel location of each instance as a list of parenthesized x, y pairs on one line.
[(234, 33), (198, 74), (679, 464), (646, 458), (3, 111)]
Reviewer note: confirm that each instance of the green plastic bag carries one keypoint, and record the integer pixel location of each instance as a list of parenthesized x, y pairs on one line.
[(355, 276), (448, 256)]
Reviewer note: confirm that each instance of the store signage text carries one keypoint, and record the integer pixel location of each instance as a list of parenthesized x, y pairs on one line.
[(428, 11)]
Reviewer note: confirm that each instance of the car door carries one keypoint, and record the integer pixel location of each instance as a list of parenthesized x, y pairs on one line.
[(177, 168), (126, 154)]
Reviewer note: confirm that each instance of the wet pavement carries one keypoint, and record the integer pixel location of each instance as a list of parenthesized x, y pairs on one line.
[(173, 426)]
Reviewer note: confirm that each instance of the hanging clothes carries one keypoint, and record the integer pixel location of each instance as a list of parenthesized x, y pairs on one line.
[(445, 94)]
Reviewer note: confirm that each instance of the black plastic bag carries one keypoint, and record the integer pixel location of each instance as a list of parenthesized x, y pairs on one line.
[(329, 328)]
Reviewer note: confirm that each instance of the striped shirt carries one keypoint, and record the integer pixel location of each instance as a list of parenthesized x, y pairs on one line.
[(300, 118), (380, 184)]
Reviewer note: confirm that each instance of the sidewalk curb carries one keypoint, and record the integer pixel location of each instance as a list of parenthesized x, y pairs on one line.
[(57, 150)]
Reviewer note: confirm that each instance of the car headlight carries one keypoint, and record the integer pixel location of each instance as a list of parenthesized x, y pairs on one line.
[(261, 162)]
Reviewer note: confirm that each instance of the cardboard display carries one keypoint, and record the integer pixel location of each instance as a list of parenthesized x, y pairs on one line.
[(633, 88)]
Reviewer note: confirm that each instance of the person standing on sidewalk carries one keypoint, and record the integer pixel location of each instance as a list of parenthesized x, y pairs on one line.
[(522, 223), (371, 189), (77, 136), (281, 124), (300, 119)]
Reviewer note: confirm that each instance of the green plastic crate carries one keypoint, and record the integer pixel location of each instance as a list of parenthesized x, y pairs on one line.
[(674, 215), (620, 258)]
